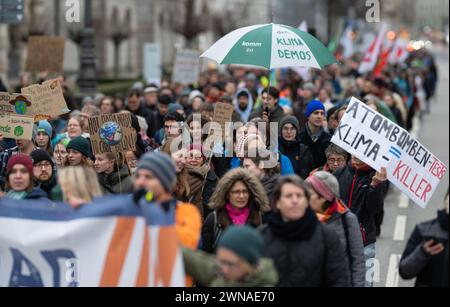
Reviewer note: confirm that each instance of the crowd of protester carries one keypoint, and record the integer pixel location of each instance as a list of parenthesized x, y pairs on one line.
[(305, 213)]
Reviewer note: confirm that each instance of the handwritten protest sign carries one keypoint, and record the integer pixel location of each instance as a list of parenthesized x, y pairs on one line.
[(45, 54), (186, 67), (112, 133), (379, 142), (16, 104), (223, 113), (47, 99), (16, 127)]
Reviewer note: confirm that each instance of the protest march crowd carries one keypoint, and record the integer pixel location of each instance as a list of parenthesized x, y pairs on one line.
[(303, 214)]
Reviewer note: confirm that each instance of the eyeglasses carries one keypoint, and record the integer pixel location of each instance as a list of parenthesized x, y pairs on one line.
[(338, 161), (198, 158), (228, 264), (43, 165), (242, 192)]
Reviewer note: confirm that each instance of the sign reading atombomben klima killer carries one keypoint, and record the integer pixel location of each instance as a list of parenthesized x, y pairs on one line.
[(379, 142)]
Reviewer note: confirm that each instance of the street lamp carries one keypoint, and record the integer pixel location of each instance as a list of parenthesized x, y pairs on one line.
[(87, 80)]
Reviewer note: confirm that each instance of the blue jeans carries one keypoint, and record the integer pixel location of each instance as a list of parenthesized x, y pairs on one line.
[(369, 254)]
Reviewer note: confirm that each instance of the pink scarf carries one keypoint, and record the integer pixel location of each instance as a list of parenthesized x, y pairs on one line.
[(238, 216)]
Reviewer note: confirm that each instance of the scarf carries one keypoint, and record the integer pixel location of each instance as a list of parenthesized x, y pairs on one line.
[(337, 206), (238, 216), (299, 230), (16, 195)]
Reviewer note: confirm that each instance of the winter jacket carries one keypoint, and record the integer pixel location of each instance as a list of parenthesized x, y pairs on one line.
[(36, 193), (364, 200), (202, 187), (117, 182), (316, 147), (299, 154), (48, 186), (306, 256), (431, 271), (346, 226), (218, 220), (269, 183), (276, 115), (150, 118), (203, 268)]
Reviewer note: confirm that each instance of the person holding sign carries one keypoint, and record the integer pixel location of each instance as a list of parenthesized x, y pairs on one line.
[(426, 254), (363, 190)]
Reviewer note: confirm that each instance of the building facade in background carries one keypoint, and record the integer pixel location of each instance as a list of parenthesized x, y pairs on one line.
[(123, 26)]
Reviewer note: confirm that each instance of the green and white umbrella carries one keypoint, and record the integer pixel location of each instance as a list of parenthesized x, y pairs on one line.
[(270, 46)]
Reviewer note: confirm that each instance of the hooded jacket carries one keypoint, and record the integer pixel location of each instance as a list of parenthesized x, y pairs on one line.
[(298, 153), (203, 268), (245, 114), (218, 221)]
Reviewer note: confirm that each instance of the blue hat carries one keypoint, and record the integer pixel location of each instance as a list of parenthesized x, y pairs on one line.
[(313, 106), (45, 127)]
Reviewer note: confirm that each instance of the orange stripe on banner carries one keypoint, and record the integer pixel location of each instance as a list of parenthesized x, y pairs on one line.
[(167, 253), (117, 252), (142, 278)]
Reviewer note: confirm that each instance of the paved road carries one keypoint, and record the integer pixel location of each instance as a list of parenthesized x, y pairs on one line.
[(400, 221)]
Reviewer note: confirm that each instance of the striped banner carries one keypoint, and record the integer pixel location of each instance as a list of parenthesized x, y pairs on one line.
[(111, 243)]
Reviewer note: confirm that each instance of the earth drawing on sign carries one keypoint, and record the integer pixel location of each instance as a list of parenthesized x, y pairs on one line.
[(111, 133)]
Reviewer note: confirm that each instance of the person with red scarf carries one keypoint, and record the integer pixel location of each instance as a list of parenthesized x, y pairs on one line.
[(363, 190), (330, 210)]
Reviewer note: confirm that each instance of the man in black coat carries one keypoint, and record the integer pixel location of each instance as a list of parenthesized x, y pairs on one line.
[(314, 135), (426, 254)]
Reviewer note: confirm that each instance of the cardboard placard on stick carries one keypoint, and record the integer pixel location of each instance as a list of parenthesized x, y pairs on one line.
[(45, 54), (112, 133), (47, 99), (223, 112), (16, 127), (16, 104)]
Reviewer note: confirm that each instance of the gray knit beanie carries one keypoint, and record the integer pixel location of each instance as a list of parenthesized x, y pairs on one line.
[(162, 168)]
